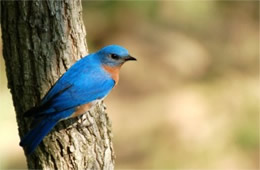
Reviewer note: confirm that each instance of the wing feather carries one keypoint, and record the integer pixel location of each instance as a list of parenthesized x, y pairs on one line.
[(76, 87)]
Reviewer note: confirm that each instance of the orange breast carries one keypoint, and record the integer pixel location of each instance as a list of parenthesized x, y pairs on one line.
[(81, 109), (113, 71)]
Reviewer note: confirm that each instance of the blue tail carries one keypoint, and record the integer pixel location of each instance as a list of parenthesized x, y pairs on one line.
[(34, 137)]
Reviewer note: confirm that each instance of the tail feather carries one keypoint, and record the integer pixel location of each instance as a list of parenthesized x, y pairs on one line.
[(34, 137)]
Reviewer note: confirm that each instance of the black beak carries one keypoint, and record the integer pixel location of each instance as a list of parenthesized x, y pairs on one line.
[(130, 58)]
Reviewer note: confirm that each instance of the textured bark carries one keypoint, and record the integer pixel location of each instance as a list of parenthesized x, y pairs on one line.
[(41, 40)]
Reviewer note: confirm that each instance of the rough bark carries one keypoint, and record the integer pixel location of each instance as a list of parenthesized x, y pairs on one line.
[(41, 40)]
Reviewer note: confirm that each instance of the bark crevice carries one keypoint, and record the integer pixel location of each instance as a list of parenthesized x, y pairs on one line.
[(41, 40)]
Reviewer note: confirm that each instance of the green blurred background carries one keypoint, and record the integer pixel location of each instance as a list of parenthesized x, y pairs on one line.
[(191, 100)]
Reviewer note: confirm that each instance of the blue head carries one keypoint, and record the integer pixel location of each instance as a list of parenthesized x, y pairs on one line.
[(114, 55)]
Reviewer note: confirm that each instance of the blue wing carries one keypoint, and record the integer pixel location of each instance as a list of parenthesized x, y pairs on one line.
[(84, 82)]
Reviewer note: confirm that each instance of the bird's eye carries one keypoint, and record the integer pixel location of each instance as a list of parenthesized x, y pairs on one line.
[(114, 56)]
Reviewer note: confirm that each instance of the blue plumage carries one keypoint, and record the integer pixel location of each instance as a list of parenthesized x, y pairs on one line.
[(32, 139), (88, 80)]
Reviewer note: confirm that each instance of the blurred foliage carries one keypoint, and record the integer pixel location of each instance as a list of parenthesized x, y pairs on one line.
[(191, 100)]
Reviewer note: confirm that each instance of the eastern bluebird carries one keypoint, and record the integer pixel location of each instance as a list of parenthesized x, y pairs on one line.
[(88, 81)]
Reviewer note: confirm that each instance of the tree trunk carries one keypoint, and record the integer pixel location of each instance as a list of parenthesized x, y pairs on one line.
[(41, 40)]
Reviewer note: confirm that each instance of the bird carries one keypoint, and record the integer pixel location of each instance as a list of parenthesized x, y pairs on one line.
[(85, 83)]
